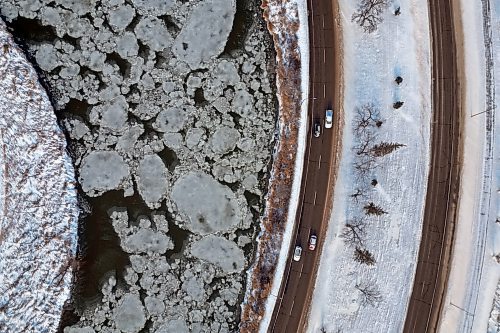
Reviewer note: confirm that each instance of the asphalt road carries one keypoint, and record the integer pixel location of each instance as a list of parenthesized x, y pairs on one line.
[(294, 297), (425, 304)]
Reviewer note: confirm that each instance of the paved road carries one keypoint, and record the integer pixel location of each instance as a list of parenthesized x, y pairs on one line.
[(443, 184), (295, 293)]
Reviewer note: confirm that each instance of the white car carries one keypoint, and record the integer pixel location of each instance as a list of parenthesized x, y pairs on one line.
[(297, 253), (312, 242), (329, 118)]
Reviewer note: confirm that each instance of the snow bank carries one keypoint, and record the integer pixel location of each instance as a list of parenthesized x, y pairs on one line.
[(39, 213), (400, 47), (287, 22)]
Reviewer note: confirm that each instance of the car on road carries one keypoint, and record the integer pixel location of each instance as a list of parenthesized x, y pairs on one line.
[(317, 129), (313, 240), (329, 118), (297, 253)]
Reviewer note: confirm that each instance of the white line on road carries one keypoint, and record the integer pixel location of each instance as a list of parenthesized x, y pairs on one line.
[(314, 202), (324, 90), (319, 162), (291, 308), (324, 55)]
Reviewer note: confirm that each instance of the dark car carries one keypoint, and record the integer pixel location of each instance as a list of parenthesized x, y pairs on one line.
[(317, 129)]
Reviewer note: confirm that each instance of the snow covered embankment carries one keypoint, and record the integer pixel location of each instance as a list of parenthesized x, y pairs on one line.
[(38, 204), (368, 263), (287, 22)]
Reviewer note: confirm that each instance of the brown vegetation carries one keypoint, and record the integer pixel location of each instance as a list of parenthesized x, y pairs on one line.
[(275, 216)]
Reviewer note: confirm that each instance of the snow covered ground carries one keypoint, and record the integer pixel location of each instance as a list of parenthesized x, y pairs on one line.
[(397, 183), (38, 204), (475, 271)]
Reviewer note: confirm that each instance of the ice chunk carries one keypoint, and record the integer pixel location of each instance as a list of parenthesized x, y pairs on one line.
[(205, 34), (243, 103), (120, 18), (80, 7), (195, 288), (147, 240), (152, 180), (153, 33), (113, 115), (154, 305), (221, 252), (177, 326), (224, 140), (102, 171), (47, 57), (171, 119), (226, 72), (126, 45), (153, 7), (209, 205), (129, 316)]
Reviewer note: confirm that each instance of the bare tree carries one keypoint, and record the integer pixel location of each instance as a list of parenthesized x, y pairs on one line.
[(384, 148), (364, 256), (367, 115), (366, 139), (358, 194), (354, 232), (363, 165), (370, 295), (372, 209), (368, 15)]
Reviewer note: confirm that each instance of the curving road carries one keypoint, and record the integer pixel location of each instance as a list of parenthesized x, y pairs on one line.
[(431, 275), (296, 290)]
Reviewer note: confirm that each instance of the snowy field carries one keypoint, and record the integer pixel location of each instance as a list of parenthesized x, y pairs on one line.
[(475, 271), (38, 216), (396, 182)]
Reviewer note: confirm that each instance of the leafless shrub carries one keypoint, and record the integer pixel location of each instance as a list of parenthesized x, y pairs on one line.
[(364, 165), (372, 209), (359, 194), (354, 232), (384, 148), (368, 14), (370, 295), (364, 256), (365, 140), (367, 115), (398, 104)]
